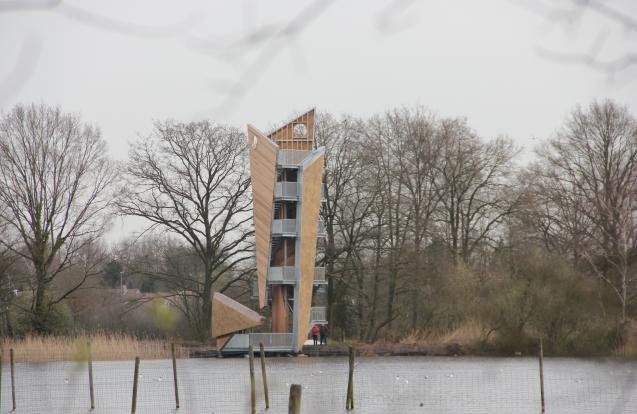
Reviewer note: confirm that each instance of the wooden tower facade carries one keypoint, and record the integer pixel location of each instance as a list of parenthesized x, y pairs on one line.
[(287, 172)]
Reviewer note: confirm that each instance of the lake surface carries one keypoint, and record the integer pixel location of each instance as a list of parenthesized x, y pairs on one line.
[(382, 385)]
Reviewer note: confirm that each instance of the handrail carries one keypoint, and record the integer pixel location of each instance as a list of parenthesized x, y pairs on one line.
[(286, 189), (318, 314), (284, 226), (271, 340), (285, 274)]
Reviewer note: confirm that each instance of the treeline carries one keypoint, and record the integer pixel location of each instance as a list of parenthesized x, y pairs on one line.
[(432, 231)]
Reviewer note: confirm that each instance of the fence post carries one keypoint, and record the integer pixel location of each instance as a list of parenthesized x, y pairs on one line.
[(265, 377), (253, 392), (172, 348), (1, 360), (12, 357), (135, 380), (542, 373), (349, 403), (90, 375), (294, 405)]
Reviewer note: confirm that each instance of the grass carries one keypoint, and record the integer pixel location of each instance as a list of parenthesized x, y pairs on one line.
[(104, 347), (465, 335), (629, 347), (458, 341)]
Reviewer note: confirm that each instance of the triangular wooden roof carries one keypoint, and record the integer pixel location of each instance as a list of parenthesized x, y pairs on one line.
[(289, 136)]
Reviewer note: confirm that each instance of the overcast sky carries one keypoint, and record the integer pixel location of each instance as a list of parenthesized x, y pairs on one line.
[(123, 63)]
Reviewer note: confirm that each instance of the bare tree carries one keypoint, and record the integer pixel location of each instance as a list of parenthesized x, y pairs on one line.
[(342, 165), (385, 145), (54, 176), (419, 171), (589, 175), (7, 291), (474, 188), (616, 19), (192, 180)]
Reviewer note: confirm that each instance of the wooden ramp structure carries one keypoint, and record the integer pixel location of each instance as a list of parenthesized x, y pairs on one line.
[(229, 317)]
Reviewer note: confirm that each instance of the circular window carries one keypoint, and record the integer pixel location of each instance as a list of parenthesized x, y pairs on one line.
[(300, 130)]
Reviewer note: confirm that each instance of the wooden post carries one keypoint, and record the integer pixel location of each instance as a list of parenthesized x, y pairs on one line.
[(172, 348), (294, 405), (12, 357), (1, 358), (349, 403), (253, 391), (542, 373), (90, 375), (135, 380), (265, 377)]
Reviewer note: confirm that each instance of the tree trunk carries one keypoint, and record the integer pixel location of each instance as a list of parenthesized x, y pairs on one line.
[(329, 264), (204, 332), (39, 310)]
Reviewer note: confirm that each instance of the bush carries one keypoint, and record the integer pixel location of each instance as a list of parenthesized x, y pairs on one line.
[(544, 295)]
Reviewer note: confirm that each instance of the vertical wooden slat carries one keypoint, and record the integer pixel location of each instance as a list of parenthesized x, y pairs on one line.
[(263, 176), (310, 205)]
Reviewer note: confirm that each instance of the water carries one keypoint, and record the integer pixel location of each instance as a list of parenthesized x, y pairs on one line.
[(382, 385)]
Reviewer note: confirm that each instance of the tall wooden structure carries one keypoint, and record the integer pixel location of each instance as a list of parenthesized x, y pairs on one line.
[(286, 172)]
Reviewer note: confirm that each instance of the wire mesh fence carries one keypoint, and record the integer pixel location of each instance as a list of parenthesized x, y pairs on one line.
[(381, 385)]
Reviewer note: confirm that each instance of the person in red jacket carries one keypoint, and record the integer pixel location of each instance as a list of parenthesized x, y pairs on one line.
[(315, 334)]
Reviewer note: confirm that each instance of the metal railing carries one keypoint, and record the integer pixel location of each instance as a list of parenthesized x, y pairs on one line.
[(318, 314), (254, 289), (286, 189), (288, 227), (285, 274), (238, 342), (281, 274), (291, 157), (284, 226), (271, 340), (319, 275), (322, 232)]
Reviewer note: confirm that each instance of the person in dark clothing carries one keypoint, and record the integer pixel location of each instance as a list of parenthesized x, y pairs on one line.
[(323, 333), (315, 334)]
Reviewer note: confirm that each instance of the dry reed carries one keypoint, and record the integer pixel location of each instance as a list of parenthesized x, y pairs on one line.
[(104, 347), (467, 334)]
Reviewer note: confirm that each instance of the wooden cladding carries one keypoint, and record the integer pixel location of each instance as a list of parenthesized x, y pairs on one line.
[(229, 316), (263, 154), (296, 135), (312, 176), (280, 316)]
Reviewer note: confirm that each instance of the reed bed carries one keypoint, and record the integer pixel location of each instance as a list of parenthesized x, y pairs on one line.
[(465, 335), (104, 347)]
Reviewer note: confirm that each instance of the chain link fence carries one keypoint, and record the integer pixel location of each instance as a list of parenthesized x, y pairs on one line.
[(381, 385)]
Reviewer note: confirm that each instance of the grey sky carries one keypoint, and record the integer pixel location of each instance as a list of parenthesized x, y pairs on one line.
[(121, 64), (181, 59)]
